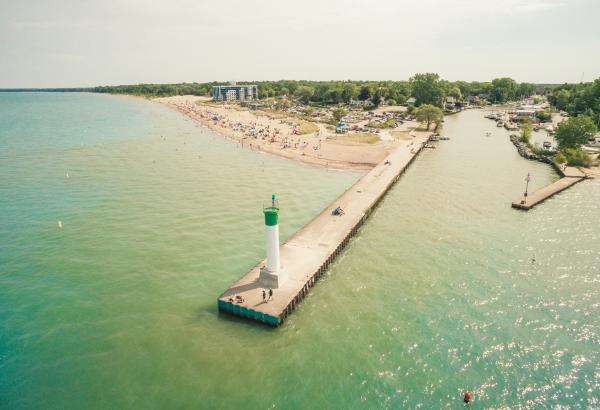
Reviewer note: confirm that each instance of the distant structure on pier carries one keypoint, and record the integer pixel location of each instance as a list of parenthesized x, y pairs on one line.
[(235, 92)]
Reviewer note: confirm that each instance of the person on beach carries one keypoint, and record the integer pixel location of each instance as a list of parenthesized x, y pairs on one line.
[(270, 293), (264, 295)]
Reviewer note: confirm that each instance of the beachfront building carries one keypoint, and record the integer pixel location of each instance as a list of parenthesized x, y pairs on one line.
[(235, 92)]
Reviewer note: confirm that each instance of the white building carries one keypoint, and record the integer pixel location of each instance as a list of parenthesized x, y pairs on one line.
[(235, 92)]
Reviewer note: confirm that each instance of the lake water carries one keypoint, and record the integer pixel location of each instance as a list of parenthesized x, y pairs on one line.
[(445, 288)]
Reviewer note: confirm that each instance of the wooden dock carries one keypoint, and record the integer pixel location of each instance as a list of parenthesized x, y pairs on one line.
[(308, 254), (571, 176)]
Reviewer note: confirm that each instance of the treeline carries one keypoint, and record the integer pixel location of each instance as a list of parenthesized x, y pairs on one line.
[(43, 90), (426, 88), (158, 90), (578, 99)]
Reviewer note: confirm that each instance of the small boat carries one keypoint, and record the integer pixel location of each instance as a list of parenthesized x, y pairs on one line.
[(500, 124), (430, 146), (488, 134), (444, 138), (547, 144)]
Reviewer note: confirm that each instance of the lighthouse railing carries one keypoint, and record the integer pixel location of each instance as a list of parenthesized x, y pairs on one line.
[(272, 204)]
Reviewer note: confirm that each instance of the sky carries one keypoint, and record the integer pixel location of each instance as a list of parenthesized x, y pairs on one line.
[(80, 43)]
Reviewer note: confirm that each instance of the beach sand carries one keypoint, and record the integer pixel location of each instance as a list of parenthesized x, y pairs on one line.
[(264, 132)]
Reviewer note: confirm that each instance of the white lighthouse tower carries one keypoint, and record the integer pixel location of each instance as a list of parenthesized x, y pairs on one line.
[(272, 275)]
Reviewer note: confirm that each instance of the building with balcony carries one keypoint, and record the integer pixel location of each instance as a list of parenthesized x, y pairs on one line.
[(235, 92)]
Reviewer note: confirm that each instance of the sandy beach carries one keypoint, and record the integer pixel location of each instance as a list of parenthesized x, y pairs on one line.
[(280, 136)]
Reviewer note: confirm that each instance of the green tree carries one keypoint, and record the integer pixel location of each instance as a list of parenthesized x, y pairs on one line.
[(282, 104), (576, 157), (526, 89), (526, 129), (349, 92), (376, 99), (560, 158), (365, 93), (503, 89), (543, 116), (304, 93), (561, 99), (427, 88), (455, 92), (338, 114), (575, 131), (429, 114)]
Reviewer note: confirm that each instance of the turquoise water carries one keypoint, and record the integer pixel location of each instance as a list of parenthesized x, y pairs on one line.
[(436, 294)]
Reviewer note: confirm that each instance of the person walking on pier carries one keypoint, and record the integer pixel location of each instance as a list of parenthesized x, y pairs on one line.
[(264, 296), (270, 293)]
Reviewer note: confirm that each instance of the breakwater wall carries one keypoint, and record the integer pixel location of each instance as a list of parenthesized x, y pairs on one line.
[(307, 255), (569, 177)]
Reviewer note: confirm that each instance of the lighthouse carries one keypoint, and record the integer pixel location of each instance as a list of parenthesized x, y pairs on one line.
[(272, 274)]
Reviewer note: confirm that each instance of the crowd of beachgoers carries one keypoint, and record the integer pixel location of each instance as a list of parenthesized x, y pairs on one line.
[(255, 133), (281, 135)]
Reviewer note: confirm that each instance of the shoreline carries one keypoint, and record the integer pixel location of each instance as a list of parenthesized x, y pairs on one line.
[(280, 135), (568, 176)]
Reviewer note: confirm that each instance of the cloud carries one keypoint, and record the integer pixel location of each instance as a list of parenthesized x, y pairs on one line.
[(49, 25), (510, 6)]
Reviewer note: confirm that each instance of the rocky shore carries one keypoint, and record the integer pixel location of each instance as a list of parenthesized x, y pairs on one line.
[(527, 152)]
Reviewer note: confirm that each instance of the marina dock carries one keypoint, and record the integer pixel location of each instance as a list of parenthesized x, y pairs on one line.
[(308, 253), (571, 176)]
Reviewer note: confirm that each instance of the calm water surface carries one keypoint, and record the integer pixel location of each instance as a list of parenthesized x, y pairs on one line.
[(445, 288)]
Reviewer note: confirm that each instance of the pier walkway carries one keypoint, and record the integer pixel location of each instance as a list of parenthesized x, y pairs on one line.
[(571, 176), (310, 251)]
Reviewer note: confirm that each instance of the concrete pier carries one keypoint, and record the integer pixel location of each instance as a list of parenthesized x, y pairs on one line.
[(571, 176), (308, 254)]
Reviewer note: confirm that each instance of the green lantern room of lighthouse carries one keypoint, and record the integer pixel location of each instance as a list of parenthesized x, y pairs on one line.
[(272, 213)]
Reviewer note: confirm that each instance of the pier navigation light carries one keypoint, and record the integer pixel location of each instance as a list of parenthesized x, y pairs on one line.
[(272, 275), (527, 179)]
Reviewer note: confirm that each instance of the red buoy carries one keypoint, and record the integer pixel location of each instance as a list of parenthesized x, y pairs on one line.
[(467, 397)]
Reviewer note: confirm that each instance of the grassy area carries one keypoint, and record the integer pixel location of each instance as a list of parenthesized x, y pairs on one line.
[(389, 123), (361, 137), (307, 127), (401, 135), (273, 113)]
